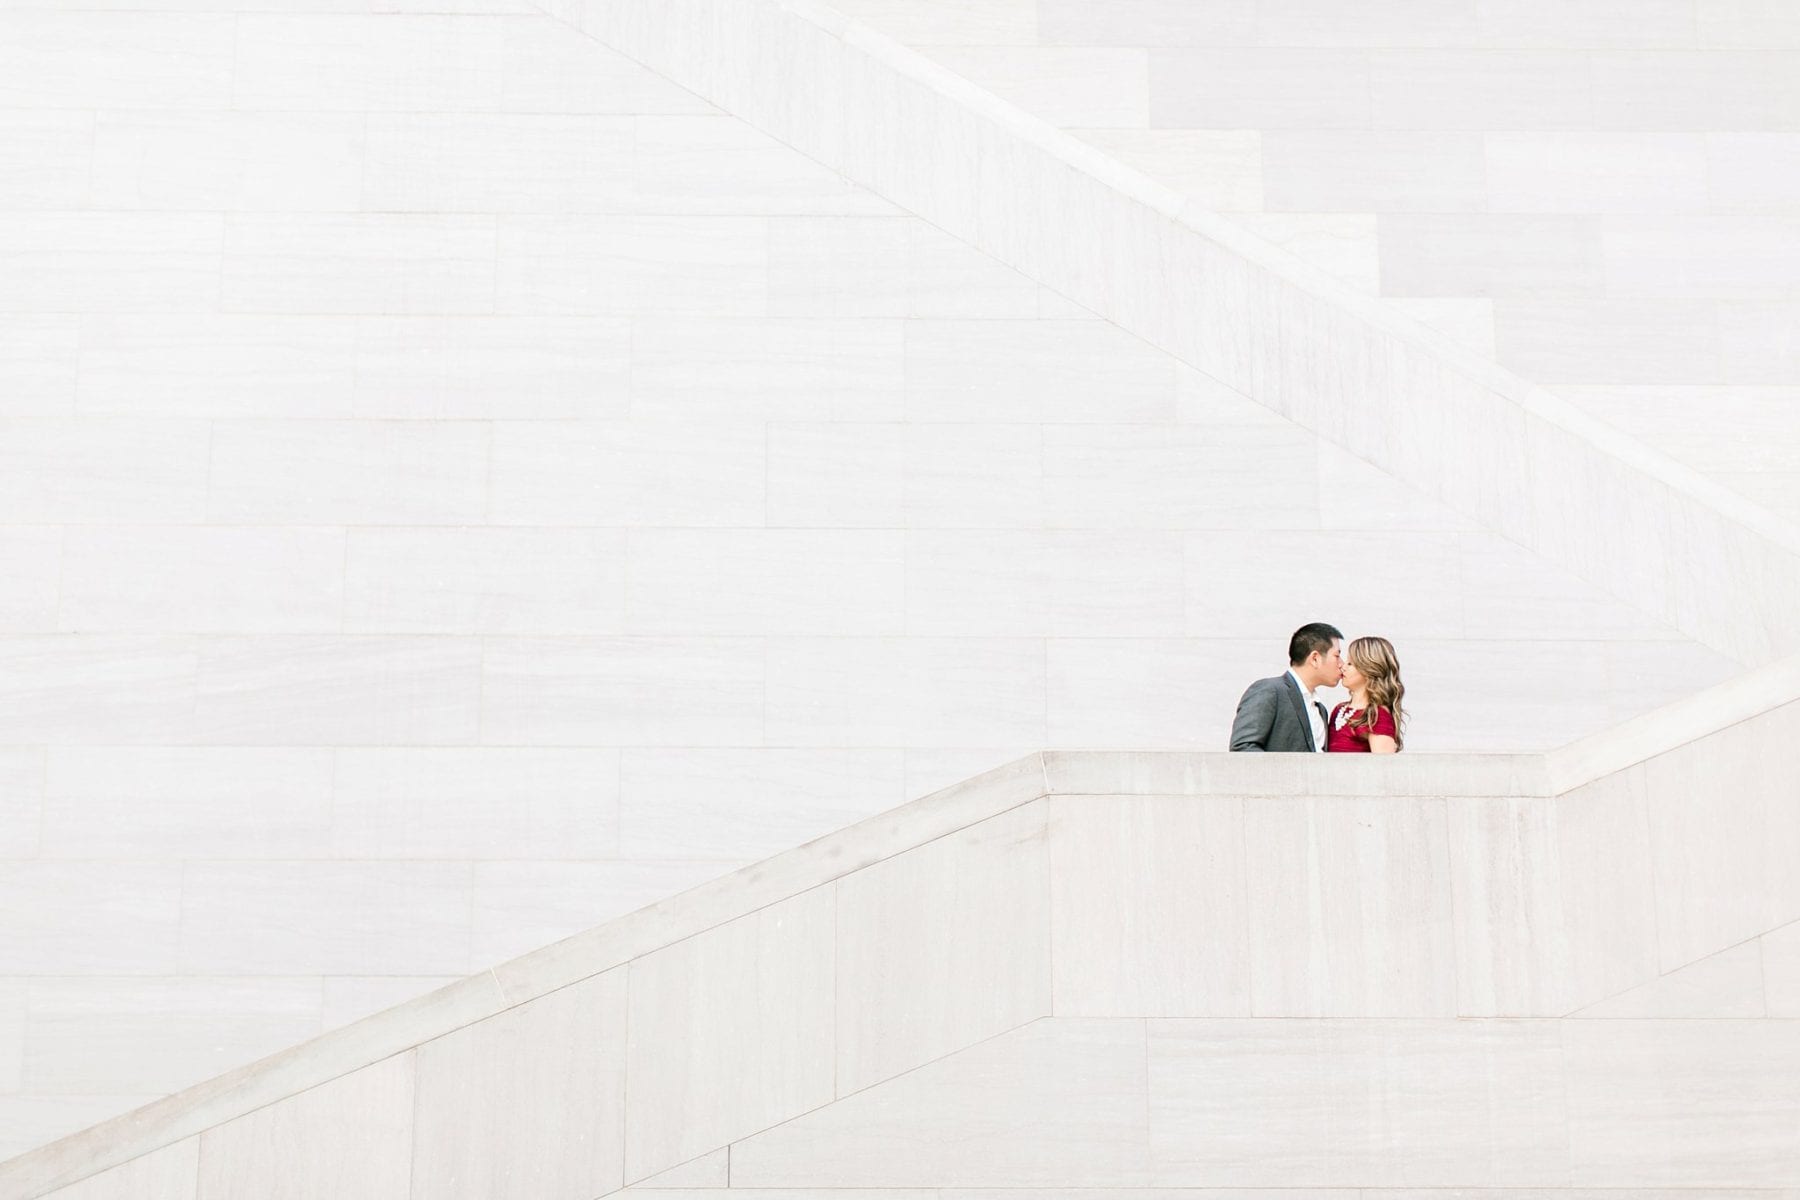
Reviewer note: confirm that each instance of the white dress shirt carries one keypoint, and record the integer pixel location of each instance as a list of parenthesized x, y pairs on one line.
[(1312, 713)]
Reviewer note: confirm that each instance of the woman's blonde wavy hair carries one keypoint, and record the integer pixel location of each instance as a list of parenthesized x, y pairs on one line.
[(1380, 666)]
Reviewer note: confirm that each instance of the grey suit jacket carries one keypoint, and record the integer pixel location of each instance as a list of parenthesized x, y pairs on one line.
[(1272, 716)]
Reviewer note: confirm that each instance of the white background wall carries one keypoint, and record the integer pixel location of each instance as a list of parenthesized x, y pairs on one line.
[(456, 487), (1604, 195)]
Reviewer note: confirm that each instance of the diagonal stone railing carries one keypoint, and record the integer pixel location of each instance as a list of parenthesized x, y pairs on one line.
[(1066, 884), (1496, 448)]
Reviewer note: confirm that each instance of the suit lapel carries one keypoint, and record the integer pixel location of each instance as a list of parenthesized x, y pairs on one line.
[(1299, 703)]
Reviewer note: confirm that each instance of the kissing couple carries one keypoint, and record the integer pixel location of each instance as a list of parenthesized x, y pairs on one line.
[(1281, 713)]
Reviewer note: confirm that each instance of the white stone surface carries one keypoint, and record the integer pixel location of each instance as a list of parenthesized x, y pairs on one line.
[(942, 947), (351, 1137), (529, 1103), (1055, 1104), (730, 1031), (172, 1173)]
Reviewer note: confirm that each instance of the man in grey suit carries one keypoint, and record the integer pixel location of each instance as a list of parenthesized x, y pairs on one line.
[(1280, 713)]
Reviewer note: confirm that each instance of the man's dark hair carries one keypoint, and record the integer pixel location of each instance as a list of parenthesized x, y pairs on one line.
[(1317, 636)]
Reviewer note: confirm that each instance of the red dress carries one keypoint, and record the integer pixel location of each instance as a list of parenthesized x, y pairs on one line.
[(1341, 740)]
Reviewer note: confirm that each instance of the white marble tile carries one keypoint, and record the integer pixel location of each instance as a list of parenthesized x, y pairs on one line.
[(946, 692), (1585, 172), (338, 691), (1480, 90), (699, 803), (70, 60), (827, 474), (31, 558), (357, 263), (719, 164), (123, 1035), (942, 947), (73, 471), (1343, 245), (1755, 24), (1586, 23), (929, 769), (1752, 430), (216, 365), (523, 906), (1219, 169), (1375, 23), (888, 267), (1227, 596), (1178, 477), (1531, 255), (1160, 693), (1352, 915), (1267, 89), (1038, 371), (504, 367), (607, 473), (484, 581), (1753, 171), (1509, 593), (348, 472), (950, 22), (628, 265), (325, 918), (1056, 1104), (458, 162), (1146, 23), (972, 476), (529, 1103), (21, 801), (708, 1171), (1726, 984), (623, 691), (730, 1032), (1148, 905), (1466, 320), (176, 802), (1359, 170), (766, 582), (381, 63), (1683, 1103), (1313, 1103), (172, 1173), (1355, 495), (544, 68), (787, 370), (1757, 343), (13, 996), (40, 358), (146, 579), (1672, 90), (350, 998), (48, 159), (90, 918), (1781, 970), (1053, 584), (227, 161), (1742, 256), (1721, 873), (474, 803), (350, 1138), (1610, 341), (1067, 86), (1553, 899), (99, 689)]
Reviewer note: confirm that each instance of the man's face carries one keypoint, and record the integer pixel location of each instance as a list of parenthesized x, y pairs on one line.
[(1328, 669)]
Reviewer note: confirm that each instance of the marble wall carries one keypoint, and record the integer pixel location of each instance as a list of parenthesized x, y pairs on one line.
[(457, 486), (1601, 195)]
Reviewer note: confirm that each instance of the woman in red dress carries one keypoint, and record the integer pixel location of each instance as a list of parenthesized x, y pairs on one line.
[(1370, 722)]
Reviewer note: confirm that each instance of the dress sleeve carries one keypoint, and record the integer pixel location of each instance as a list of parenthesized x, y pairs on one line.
[(1384, 723)]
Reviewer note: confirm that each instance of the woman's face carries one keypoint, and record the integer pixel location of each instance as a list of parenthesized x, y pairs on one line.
[(1353, 678)]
